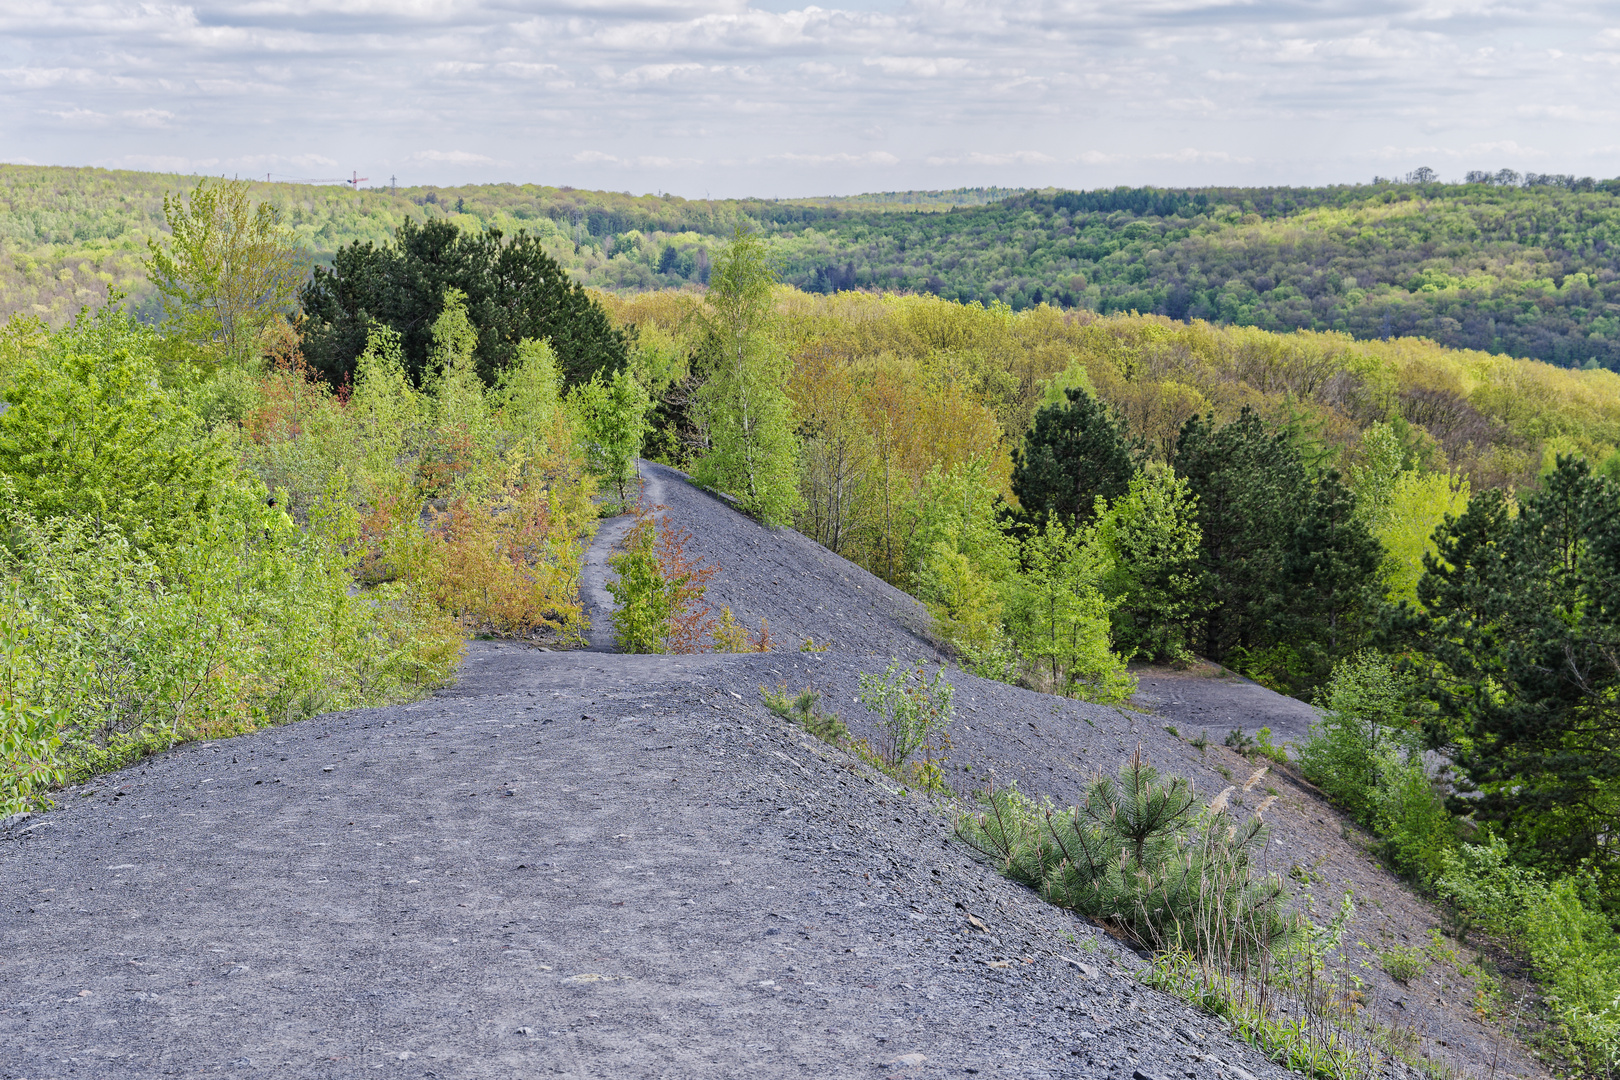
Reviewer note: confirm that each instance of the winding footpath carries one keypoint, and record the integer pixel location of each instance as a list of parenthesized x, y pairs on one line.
[(574, 864)]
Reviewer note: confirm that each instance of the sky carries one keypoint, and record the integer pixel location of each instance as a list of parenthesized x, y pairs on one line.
[(723, 98)]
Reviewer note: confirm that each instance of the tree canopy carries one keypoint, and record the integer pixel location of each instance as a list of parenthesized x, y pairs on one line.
[(1520, 620), (1074, 452), (226, 269), (514, 291)]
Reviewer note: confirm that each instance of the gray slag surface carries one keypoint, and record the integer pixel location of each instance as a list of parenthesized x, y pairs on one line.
[(579, 864)]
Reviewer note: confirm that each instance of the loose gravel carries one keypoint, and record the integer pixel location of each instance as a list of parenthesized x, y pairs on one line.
[(589, 864)]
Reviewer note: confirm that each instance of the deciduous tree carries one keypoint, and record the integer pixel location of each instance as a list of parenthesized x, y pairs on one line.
[(226, 269), (752, 452)]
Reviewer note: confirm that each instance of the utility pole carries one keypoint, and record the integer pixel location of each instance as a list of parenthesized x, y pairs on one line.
[(393, 185)]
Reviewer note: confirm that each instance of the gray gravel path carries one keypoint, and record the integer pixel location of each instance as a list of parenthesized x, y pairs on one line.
[(1218, 700), (574, 864)]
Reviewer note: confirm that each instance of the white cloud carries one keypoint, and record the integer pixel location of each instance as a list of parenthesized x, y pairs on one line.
[(451, 157), (148, 118), (741, 100), (871, 157), (1015, 157), (1189, 155)]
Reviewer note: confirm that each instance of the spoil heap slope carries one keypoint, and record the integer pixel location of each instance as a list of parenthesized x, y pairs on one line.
[(586, 864)]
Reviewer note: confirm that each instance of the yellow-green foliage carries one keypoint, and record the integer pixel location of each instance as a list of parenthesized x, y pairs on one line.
[(152, 590), (891, 391), (477, 497), (1489, 414), (185, 564), (1418, 504)]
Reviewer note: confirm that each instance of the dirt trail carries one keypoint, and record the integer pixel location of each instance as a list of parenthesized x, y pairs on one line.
[(586, 864)]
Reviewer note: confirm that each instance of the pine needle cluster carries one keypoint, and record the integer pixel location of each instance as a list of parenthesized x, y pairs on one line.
[(1140, 854)]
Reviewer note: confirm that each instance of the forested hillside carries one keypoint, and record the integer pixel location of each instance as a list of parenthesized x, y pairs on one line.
[(289, 490), (1501, 267)]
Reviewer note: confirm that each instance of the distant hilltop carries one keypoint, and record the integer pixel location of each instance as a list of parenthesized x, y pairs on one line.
[(1522, 265)]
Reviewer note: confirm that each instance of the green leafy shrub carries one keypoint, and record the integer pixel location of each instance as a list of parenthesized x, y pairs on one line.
[(1410, 814), (1576, 953), (165, 592), (1404, 962), (249, 621), (1484, 888), (1141, 854), (91, 433), (645, 599), (915, 711), (28, 733), (1365, 728), (660, 591)]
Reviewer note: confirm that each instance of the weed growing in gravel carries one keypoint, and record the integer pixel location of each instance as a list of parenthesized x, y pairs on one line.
[(1258, 745), (1404, 963), (805, 710), (916, 712), (928, 775), (730, 635)]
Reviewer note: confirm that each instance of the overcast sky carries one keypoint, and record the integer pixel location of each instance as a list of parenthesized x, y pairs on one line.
[(726, 97)]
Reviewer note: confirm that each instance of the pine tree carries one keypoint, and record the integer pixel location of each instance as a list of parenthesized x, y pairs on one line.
[(1521, 623), (1075, 450), (1330, 580), (1250, 487), (514, 292)]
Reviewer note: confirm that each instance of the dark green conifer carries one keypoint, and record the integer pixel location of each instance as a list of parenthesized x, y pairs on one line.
[(514, 291), (1520, 621), (1075, 451)]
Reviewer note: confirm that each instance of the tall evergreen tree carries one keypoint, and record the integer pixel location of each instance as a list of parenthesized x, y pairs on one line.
[(1250, 488), (1291, 570), (1075, 450), (1330, 579), (1520, 621)]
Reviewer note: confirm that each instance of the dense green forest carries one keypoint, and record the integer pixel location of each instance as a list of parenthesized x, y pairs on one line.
[(1494, 265)]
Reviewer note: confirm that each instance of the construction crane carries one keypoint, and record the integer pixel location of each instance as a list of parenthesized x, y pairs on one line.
[(354, 179)]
